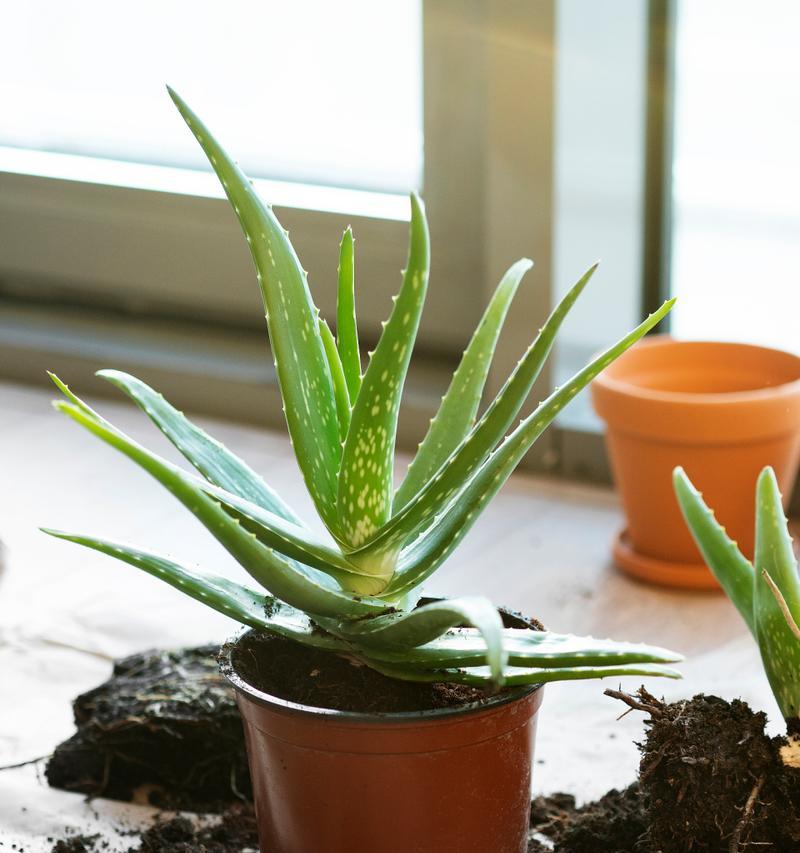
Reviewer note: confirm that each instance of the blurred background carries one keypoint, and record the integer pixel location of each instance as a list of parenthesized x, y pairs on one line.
[(660, 137)]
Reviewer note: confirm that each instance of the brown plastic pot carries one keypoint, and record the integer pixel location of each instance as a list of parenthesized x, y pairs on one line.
[(340, 782), (721, 410)]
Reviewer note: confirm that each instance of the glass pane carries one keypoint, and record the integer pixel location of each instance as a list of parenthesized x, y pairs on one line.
[(599, 171), (337, 103), (736, 193)]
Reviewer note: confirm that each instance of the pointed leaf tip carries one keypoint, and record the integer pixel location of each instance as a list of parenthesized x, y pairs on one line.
[(767, 478), (365, 476), (301, 363), (456, 415)]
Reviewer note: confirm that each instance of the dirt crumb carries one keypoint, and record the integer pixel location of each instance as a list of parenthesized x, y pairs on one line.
[(234, 831), (78, 844)]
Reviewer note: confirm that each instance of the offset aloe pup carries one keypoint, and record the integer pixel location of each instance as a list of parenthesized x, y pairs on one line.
[(766, 592), (361, 585)]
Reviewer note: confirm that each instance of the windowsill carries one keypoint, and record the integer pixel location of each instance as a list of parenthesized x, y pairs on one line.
[(214, 370), (195, 182)]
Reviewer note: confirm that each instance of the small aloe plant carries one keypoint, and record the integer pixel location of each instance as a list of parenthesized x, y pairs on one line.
[(765, 592), (361, 586)]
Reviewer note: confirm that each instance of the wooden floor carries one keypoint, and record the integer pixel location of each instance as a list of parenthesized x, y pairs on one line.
[(542, 547)]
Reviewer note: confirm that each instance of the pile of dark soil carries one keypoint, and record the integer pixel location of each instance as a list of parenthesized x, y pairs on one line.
[(165, 719), (234, 832), (711, 777), (325, 680), (79, 844), (616, 823), (710, 781)]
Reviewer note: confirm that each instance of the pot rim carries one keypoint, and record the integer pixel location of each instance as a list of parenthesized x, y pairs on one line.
[(276, 703), (605, 382)]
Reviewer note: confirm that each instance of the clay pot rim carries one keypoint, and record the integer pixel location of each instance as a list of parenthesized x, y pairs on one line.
[(276, 703), (606, 382)]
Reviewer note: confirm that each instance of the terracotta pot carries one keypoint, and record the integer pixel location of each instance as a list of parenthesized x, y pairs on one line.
[(721, 410), (339, 782)]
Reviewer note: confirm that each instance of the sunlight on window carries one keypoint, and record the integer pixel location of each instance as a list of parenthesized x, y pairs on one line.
[(337, 103), (736, 228)]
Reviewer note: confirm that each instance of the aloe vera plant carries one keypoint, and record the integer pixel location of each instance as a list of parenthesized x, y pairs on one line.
[(355, 593), (766, 592)]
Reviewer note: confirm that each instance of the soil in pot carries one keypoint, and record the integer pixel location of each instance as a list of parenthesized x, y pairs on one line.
[(322, 679), (166, 721), (328, 737)]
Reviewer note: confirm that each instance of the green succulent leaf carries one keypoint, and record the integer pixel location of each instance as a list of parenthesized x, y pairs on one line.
[(338, 595), (726, 562), (299, 544), (292, 582), (774, 557), (460, 647), (245, 605), (337, 375), (346, 327), (271, 529), (398, 631), (481, 676), (456, 415), (297, 347), (212, 459), (462, 506), (486, 434), (365, 479)]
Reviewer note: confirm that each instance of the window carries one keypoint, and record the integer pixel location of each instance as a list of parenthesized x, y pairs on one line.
[(108, 203), (736, 178), (601, 90), (336, 103), (116, 248)]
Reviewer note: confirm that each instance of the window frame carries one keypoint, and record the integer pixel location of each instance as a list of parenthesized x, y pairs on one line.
[(489, 201)]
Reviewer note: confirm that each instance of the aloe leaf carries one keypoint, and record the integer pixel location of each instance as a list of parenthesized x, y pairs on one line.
[(365, 479), (211, 458), (270, 529), (721, 554), (346, 326), (459, 506), (290, 581), (489, 430), (774, 557), (299, 544), (340, 391), (406, 630), (245, 605), (76, 400), (461, 647), (459, 407), (297, 347), (481, 676)]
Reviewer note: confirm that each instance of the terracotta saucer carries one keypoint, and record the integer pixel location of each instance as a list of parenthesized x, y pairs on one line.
[(662, 572)]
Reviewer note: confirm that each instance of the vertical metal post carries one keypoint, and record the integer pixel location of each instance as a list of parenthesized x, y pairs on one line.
[(659, 108)]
